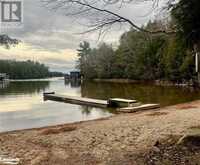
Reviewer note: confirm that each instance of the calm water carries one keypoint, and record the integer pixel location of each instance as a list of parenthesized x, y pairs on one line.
[(22, 105)]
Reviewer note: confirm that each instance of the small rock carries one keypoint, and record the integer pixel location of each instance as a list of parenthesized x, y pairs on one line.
[(166, 154), (123, 146), (156, 149)]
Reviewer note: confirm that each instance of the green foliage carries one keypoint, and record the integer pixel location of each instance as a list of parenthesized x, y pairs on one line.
[(104, 59), (186, 14), (141, 57), (56, 74), (83, 52), (178, 63), (23, 69), (95, 62)]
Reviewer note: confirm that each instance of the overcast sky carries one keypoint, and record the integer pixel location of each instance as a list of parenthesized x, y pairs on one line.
[(50, 37)]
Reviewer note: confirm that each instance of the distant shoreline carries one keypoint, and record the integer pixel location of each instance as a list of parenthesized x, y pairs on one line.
[(39, 79), (155, 82)]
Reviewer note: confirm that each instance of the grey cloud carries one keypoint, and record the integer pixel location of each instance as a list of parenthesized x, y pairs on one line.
[(64, 66), (53, 31), (37, 18)]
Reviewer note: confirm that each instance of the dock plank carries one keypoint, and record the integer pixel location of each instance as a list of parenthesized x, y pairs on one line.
[(76, 100), (118, 102), (123, 100), (139, 108)]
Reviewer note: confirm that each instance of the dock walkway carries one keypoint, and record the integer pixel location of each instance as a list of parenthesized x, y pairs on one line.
[(76, 100), (123, 105)]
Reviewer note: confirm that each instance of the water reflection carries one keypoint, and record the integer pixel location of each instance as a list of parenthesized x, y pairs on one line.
[(24, 87), (74, 83), (146, 93), (86, 110), (22, 105), (4, 84)]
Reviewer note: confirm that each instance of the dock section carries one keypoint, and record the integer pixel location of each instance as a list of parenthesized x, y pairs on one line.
[(118, 102), (76, 100), (122, 105), (138, 108)]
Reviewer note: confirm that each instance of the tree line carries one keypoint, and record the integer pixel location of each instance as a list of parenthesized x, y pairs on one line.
[(143, 56), (25, 69), (138, 57)]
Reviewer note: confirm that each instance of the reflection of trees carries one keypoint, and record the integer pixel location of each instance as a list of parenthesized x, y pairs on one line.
[(25, 87), (146, 93), (86, 110), (74, 83), (67, 82), (100, 90), (4, 84)]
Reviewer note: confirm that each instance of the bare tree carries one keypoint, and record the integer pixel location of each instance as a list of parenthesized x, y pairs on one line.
[(100, 15)]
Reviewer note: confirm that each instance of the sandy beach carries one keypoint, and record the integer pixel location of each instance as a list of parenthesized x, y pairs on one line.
[(147, 137)]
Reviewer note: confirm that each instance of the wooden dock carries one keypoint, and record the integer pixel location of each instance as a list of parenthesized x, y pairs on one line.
[(139, 108), (118, 102), (76, 100), (123, 105)]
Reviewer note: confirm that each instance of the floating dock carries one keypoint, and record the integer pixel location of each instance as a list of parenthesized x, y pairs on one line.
[(123, 105), (116, 102), (139, 108), (76, 100)]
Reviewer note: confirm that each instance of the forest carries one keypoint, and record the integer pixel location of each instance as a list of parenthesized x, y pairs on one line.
[(26, 69), (144, 56)]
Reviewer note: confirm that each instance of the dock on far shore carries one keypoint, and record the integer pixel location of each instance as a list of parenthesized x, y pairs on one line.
[(122, 105)]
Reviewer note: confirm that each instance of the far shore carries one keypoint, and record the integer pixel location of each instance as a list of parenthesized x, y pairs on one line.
[(147, 137), (120, 80), (156, 82)]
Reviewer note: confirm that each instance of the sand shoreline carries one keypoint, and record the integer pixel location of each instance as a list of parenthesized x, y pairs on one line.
[(121, 139), (56, 126)]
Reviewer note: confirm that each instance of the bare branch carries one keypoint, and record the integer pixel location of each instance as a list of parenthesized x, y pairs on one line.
[(105, 18)]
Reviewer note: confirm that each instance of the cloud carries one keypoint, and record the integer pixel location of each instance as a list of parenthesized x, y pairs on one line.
[(49, 37), (64, 60)]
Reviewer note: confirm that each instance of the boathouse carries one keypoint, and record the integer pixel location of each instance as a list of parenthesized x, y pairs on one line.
[(75, 75)]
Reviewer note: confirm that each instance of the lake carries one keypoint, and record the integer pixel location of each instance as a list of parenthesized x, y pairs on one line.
[(22, 105)]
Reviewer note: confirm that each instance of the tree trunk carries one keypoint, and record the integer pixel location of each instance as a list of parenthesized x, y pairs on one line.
[(197, 61)]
